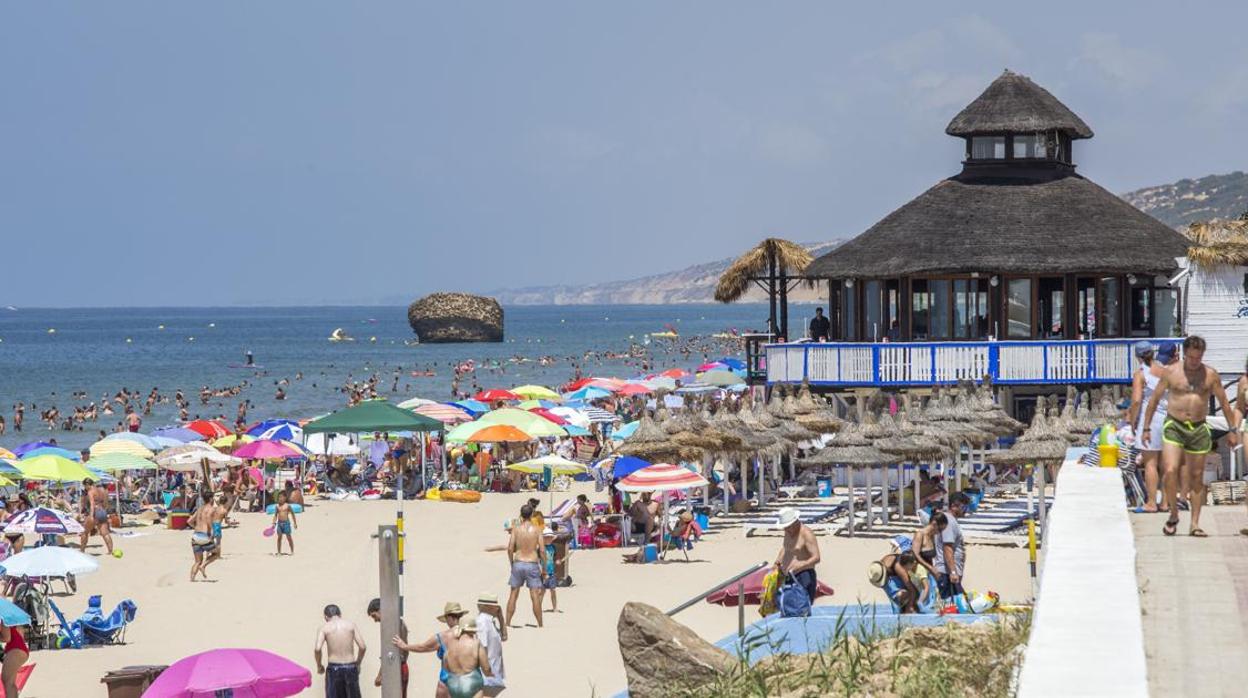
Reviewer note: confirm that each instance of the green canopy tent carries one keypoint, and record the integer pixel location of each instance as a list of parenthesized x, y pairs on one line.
[(372, 415)]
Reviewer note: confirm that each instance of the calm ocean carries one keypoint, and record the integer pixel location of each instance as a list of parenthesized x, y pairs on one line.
[(197, 346)]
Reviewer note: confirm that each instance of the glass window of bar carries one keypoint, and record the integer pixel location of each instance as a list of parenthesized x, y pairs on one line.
[(1030, 147), (988, 148), (1018, 309)]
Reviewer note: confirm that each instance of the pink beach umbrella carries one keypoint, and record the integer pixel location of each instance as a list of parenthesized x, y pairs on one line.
[(248, 673), (266, 449)]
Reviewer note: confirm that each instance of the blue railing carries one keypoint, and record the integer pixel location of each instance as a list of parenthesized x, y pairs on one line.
[(865, 364)]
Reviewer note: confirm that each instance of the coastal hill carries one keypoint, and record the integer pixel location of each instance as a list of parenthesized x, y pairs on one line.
[(1177, 204)]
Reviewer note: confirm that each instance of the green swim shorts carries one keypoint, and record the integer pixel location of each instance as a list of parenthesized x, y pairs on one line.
[(1192, 437)]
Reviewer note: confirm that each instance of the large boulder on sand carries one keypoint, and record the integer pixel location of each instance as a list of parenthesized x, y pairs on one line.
[(456, 317), (661, 655)]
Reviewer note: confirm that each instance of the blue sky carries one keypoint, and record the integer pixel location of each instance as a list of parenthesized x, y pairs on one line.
[(159, 153)]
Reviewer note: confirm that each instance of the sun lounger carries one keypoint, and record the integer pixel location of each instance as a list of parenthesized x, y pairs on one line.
[(99, 629), (1000, 518), (815, 516)]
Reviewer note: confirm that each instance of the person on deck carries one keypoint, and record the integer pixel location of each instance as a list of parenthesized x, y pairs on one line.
[(820, 326)]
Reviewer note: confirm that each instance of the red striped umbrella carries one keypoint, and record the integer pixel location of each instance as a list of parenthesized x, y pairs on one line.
[(496, 394), (444, 413), (634, 389), (661, 477)]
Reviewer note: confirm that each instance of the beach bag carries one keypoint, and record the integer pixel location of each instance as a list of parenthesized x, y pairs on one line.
[(794, 601), (585, 536), (606, 536), (771, 585)]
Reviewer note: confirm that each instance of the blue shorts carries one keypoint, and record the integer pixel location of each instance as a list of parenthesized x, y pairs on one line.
[(283, 528), (525, 574)]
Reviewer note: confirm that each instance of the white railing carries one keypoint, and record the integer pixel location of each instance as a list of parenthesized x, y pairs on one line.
[(932, 363)]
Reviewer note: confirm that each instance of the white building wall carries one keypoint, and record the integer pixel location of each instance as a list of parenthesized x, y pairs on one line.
[(1216, 305)]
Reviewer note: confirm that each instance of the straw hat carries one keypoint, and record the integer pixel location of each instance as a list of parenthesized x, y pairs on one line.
[(876, 573), (452, 608), (787, 517), (484, 599), (467, 624)]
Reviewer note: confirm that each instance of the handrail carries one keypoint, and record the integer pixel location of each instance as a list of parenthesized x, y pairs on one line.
[(721, 585)]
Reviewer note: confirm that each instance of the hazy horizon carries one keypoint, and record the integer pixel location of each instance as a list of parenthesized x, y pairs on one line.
[(311, 154)]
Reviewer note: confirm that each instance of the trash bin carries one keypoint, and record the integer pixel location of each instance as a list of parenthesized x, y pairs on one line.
[(131, 681)]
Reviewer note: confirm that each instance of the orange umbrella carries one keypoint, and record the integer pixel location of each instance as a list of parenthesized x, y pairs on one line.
[(497, 433)]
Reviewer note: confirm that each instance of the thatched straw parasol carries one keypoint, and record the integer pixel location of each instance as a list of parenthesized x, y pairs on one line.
[(1218, 243), (853, 455), (726, 421), (820, 418), (771, 265)]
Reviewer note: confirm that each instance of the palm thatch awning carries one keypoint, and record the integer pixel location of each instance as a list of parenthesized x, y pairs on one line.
[(1218, 243), (965, 224), (1015, 104), (791, 259)]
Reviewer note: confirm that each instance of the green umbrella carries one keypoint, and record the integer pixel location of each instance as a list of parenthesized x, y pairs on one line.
[(372, 415), (112, 462), (532, 424), (54, 468), (720, 378)]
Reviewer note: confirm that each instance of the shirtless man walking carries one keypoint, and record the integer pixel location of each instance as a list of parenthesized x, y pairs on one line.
[(527, 556), (799, 555), (1186, 439), (201, 537), (95, 506), (346, 649)]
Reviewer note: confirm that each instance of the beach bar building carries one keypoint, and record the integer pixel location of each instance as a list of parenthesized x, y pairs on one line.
[(1017, 268)]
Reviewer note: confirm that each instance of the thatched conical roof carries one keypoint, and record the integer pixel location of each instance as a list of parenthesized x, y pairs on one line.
[(1015, 104), (791, 259), (853, 455)]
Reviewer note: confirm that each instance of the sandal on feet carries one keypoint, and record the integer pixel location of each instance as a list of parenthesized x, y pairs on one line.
[(1243, 531), (1171, 527), (1198, 533)]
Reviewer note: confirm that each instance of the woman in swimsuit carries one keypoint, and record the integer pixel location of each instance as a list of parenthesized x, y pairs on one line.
[(924, 545), (15, 655), (466, 663), (438, 642)]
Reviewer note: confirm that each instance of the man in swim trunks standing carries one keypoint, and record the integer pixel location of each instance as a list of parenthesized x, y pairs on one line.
[(527, 556), (201, 537), (1186, 439), (340, 637), (95, 506)]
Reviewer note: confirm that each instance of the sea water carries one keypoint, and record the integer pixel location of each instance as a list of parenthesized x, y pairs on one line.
[(100, 351)]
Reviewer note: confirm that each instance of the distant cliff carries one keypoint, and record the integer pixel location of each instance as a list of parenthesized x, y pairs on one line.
[(1193, 200), (694, 284)]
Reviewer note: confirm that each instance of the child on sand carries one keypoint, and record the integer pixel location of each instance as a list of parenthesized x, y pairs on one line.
[(551, 582), (283, 520)]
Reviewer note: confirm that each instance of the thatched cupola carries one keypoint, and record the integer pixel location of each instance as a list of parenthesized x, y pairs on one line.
[(1017, 129)]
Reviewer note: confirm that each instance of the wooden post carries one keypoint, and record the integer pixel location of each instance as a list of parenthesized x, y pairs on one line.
[(771, 292), (388, 559), (849, 480)]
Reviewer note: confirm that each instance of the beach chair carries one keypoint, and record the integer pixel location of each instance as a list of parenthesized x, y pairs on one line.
[(30, 598), (815, 516), (68, 635), (98, 629)]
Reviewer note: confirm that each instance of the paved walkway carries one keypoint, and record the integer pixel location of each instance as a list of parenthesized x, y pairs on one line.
[(1194, 600)]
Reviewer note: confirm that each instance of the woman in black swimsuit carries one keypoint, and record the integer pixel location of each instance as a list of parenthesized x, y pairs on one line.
[(925, 541)]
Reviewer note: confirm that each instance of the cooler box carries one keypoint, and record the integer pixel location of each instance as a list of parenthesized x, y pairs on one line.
[(704, 521), (824, 486), (131, 681), (179, 520), (652, 553)]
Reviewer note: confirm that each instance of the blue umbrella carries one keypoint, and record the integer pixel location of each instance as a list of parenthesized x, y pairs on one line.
[(52, 451), (574, 430), (473, 407), (282, 432), (143, 440), (7, 468), (627, 465), (21, 450), (181, 434), (625, 431), (267, 424), (589, 392), (11, 615)]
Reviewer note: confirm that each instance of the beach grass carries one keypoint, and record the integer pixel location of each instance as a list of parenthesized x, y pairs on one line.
[(980, 660)]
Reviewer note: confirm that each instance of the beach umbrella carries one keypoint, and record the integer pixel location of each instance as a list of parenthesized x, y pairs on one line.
[(631, 389), (557, 465), (240, 673), (536, 392), (753, 584), (587, 393), (189, 461), (260, 427), (625, 431), (447, 414), (281, 432), (498, 433), (30, 446), (180, 434), (676, 373), (472, 407), (48, 561), (623, 466), (720, 378), (372, 415), (148, 442), (209, 428), (536, 425), (112, 462), (733, 364), (496, 394), (12, 615), (549, 416), (660, 383), (6, 453), (53, 468), (413, 403), (712, 366), (132, 448), (232, 439), (531, 404), (576, 384), (597, 414), (572, 415), (661, 477), (266, 449), (52, 451), (41, 520)]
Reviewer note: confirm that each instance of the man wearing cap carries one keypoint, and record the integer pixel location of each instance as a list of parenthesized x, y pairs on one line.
[(799, 555), (1186, 437), (491, 631)]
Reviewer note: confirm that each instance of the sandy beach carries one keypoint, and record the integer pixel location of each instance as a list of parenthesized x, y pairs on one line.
[(259, 600)]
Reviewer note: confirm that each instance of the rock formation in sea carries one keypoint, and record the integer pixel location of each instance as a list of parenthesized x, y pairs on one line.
[(443, 318)]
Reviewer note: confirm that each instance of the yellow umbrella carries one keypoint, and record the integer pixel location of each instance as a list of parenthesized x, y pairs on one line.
[(129, 448), (537, 392), (54, 468), (6, 482), (225, 441), (6, 453), (558, 466)]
